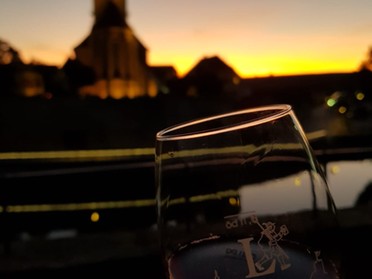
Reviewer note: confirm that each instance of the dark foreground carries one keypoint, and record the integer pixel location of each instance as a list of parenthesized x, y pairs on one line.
[(110, 255)]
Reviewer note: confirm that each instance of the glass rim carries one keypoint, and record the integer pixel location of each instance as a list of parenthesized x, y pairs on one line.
[(277, 111)]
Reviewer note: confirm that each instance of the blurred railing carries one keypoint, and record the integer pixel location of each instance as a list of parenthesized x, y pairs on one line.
[(101, 190)]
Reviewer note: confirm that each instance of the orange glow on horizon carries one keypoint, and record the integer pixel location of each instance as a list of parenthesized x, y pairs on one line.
[(290, 57), (255, 38), (245, 66), (52, 58), (283, 66), (248, 67)]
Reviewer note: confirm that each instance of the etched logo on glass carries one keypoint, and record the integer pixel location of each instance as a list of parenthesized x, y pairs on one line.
[(265, 256), (271, 253)]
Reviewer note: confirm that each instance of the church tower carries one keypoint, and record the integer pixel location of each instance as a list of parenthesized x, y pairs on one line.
[(99, 7), (116, 56)]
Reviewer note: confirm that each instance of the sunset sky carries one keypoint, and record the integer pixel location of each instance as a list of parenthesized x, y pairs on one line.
[(255, 37)]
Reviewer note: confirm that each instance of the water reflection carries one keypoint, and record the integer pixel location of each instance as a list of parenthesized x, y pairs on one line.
[(296, 189), (348, 180)]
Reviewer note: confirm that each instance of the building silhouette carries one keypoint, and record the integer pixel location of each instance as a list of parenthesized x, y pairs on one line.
[(212, 77), (115, 55)]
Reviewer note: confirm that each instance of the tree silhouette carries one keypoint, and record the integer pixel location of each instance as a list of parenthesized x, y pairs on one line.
[(8, 54), (367, 64)]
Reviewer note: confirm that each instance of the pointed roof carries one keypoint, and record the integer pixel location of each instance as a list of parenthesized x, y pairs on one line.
[(111, 17), (212, 66)]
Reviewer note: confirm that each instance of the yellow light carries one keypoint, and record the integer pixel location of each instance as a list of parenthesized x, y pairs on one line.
[(213, 196), (236, 80), (181, 200), (335, 169), (359, 96), (234, 201), (297, 182), (94, 217), (79, 206), (342, 109), (77, 154)]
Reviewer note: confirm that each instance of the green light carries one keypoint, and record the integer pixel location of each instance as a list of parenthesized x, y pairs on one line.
[(331, 102)]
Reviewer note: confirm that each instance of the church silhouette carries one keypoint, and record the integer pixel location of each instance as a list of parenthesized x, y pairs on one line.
[(115, 56)]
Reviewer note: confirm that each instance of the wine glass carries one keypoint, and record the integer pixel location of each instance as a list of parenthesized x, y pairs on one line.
[(241, 195)]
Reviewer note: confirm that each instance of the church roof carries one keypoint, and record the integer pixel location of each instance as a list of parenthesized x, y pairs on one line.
[(111, 17), (212, 66)]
